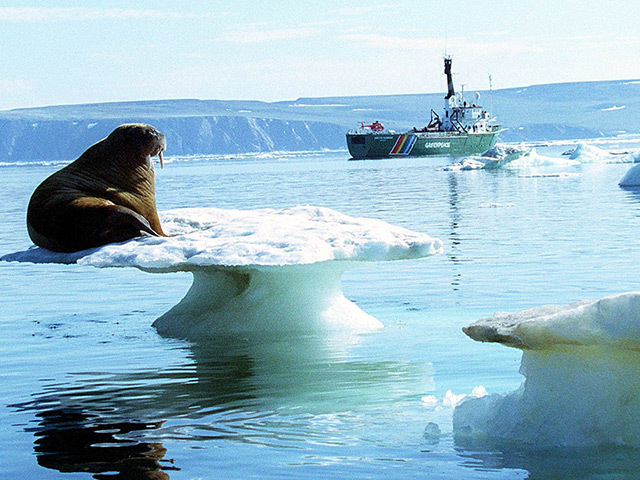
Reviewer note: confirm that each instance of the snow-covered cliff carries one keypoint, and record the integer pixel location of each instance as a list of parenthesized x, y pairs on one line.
[(535, 113)]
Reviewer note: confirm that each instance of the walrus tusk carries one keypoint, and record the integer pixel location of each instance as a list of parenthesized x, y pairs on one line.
[(160, 157)]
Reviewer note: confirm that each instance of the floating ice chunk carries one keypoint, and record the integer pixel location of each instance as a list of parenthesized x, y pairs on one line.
[(501, 151), (201, 237), (613, 108), (496, 157), (581, 364), (432, 433), (631, 178), (257, 269), (533, 159), (611, 321), (466, 164), (451, 399), (585, 153), (430, 401), (479, 392), (632, 156)]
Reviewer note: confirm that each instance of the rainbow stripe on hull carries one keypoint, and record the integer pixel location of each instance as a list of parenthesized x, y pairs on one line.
[(403, 145)]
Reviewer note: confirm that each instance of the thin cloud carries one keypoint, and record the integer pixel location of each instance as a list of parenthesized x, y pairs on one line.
[(425, 43), (51, 15), (259, 36), (389, 42), (365, 9)]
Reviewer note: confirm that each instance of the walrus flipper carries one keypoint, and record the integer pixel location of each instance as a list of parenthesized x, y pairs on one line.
[(121, 224), (92, 227)]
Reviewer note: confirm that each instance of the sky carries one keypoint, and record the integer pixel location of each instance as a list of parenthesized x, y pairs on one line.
[(69, 52)]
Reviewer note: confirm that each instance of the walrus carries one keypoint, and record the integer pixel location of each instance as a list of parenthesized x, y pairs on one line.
[(105, 196)]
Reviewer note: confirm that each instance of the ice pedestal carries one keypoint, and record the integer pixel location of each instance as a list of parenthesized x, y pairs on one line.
[(257, 270), (265, 299), (581, 364)]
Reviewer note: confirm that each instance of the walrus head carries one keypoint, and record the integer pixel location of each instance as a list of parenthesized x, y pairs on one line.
[(140, 138)]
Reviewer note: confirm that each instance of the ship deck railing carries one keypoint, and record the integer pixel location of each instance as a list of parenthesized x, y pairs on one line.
[(452, 133)]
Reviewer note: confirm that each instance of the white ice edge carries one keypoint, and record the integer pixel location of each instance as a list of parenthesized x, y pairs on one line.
[(203, 237), (613, 320)]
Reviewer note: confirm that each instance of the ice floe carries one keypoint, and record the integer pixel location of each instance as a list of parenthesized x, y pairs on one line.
[(583, 153), (496, 157), (257, 269), (581, 364), (532, 158), (527, 157), (631, 178)]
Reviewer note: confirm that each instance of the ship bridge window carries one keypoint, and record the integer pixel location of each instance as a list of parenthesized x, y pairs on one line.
[(357, 139)]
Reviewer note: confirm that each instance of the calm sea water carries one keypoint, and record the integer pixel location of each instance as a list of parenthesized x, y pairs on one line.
[(91, 390)]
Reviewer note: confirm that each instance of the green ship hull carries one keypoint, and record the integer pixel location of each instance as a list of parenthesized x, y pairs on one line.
[(385, 145)]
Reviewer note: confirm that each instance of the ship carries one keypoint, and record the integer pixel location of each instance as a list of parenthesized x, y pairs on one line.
[(465, 128)]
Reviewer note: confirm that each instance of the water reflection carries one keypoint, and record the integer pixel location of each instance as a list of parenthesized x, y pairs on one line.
[(558, 463), (77, 441), (633, 193), (252, 389), (454, 236)]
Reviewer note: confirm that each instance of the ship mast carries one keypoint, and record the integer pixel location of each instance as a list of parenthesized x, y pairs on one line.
[(447, 71)]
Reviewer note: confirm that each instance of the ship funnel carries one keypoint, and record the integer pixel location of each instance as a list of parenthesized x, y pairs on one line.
[(447, 71)]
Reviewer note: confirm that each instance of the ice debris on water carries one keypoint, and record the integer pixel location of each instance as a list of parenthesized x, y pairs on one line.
[(497, 156), (450, 399), (521, 157), (501, 151), (432, 433)]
